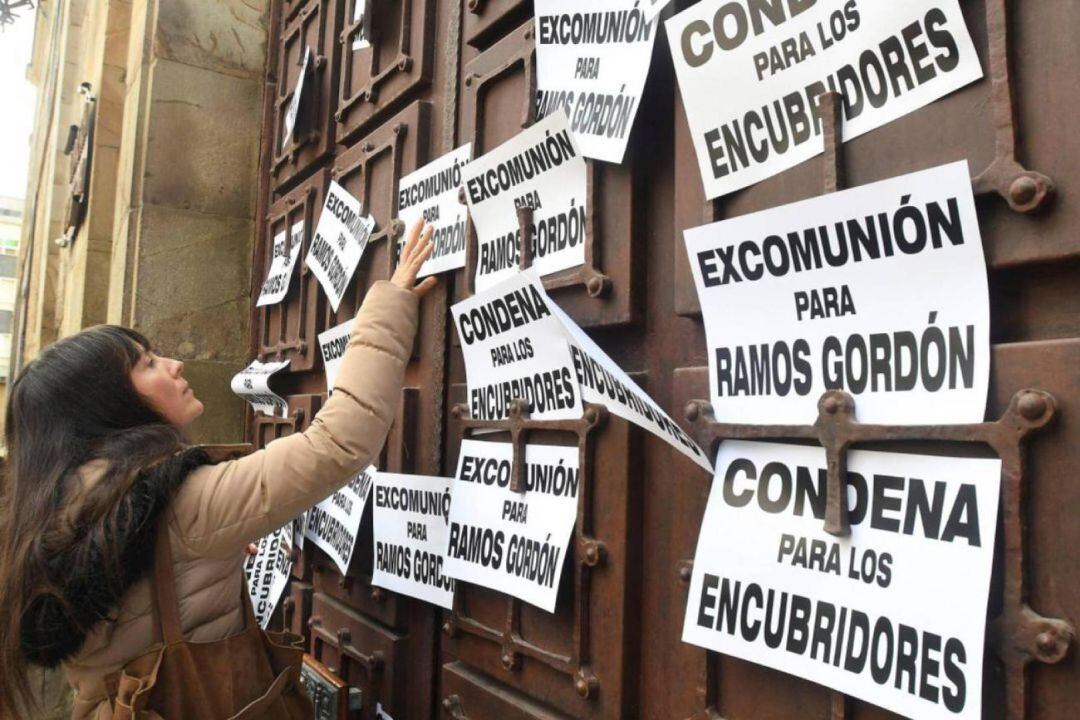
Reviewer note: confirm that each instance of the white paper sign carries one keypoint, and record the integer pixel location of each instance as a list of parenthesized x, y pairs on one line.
[(332, 345), (361, 14), (856, 614), (279, 274), (334, 523), (591, 62), (268, 572), (879, 290), (513, 542), (294, 104), (751, 73), (340, 239), (603, 382), (432, 193), (253, 384), (541, 168), (409, 528), (515, 347)]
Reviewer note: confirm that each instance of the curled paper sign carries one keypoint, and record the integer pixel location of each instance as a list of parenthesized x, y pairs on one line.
[(293, 110), (253, 384), (278, 276), (334, 523), (268, 571)]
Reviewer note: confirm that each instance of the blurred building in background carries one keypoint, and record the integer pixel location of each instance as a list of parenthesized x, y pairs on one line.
[(11, 214)]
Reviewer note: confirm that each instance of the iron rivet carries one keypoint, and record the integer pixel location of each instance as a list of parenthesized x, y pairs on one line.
[(447, 704), (591, 416), (1032, 406), (1045, 643), (685, 573), (508, 661), (468, 80), (456, 412), (1023, 190), (592, 555), (831, 405), (692, 412), (447, 628), (582, 687), (595, 286)]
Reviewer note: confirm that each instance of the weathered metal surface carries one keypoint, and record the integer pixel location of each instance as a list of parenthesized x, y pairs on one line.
[(498, 101), (399, 61), (648, 501), (487, 20), (316, 27), (289, 330)]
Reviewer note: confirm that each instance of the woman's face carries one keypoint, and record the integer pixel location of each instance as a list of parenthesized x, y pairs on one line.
[(160, 381)]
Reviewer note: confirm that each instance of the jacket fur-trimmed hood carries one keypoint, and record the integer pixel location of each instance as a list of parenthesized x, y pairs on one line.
[(57, 621)]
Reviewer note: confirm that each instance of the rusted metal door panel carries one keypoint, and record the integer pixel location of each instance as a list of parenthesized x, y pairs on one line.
[(315, 26), (296, 607), (487, 20), (289, 8), (573, 662), (399, 61), (363, 654), (370, 171), (286, 330), (471, 695), (498, 102)]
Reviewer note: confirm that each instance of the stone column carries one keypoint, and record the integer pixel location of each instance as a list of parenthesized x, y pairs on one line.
[(186, 190)]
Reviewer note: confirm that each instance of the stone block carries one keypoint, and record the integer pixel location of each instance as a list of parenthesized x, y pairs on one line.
[(227, 36), (192, 283), (201, 153)]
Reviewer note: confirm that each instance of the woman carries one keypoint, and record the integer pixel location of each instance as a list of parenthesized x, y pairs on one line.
[(96, 459)]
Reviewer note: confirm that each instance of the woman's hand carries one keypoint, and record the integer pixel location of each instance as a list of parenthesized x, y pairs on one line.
[(417, 249)]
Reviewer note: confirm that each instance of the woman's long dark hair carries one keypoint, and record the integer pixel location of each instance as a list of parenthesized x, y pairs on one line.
[(72, 404)]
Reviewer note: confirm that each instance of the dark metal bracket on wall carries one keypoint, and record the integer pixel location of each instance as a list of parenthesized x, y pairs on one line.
[(588, 551), (1025, 190)]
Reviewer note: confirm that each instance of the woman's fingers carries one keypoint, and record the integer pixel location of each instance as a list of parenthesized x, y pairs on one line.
[(417, 249), (413, 237), (425, 285), (423, 252)]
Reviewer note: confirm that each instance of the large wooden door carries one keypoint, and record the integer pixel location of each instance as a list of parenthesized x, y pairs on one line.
[(440, 73)]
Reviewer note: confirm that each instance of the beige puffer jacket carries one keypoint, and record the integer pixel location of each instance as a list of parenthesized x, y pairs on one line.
[(221, 508)]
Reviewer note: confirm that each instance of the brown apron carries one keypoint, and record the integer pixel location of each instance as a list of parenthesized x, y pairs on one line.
[(253, 674)]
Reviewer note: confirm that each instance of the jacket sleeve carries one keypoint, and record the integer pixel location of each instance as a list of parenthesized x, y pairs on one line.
[(220, 508)]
